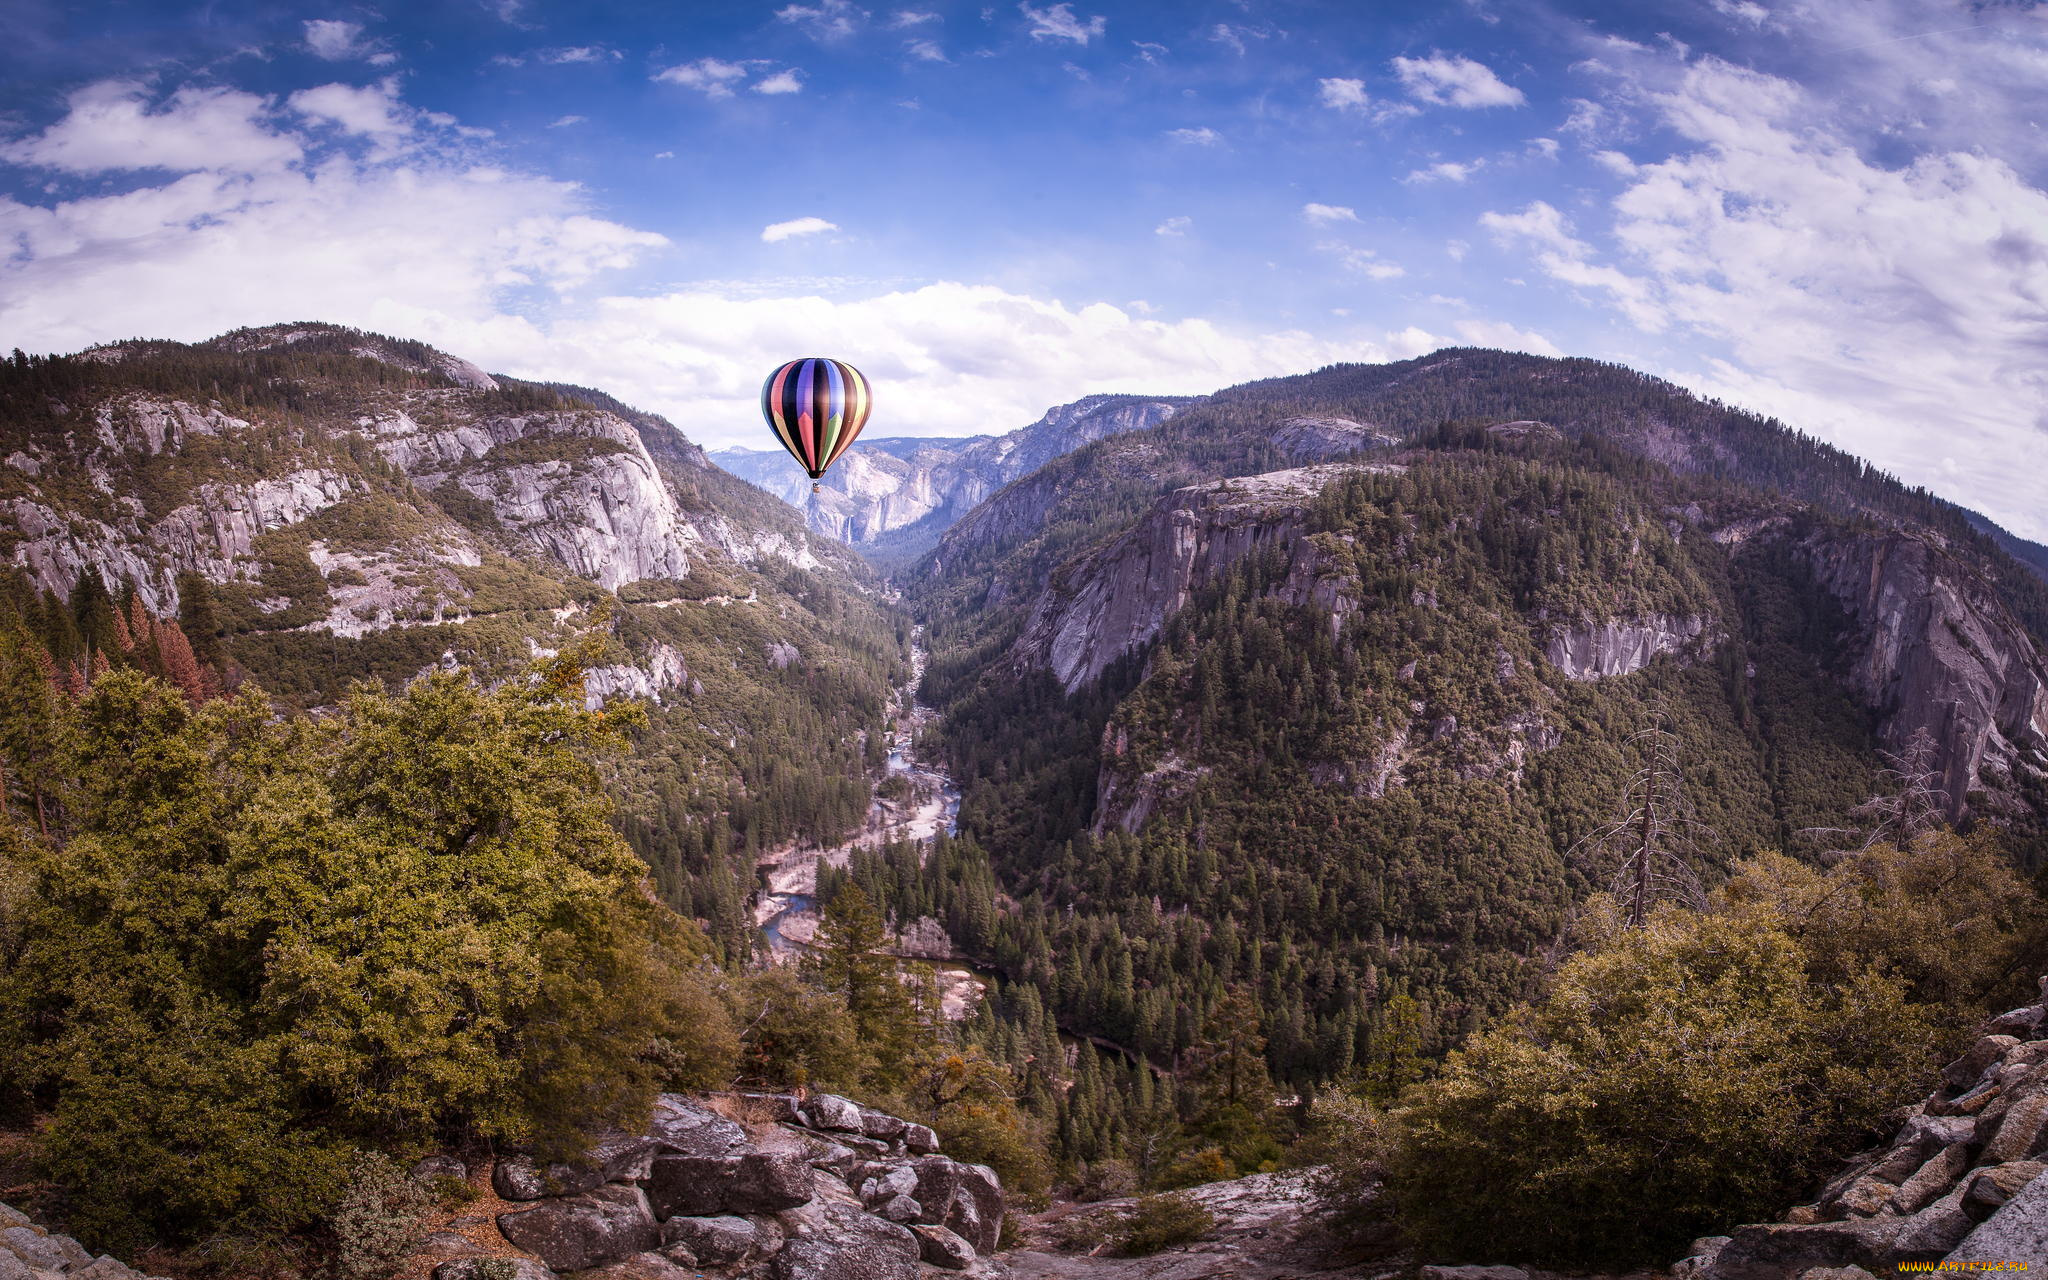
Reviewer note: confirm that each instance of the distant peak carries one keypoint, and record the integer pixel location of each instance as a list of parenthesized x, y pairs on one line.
[(405, 353)]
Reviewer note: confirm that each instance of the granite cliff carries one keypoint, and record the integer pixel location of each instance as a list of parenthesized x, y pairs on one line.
[(904, 492)]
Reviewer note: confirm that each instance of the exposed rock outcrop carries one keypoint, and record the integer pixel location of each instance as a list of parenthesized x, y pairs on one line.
[(1960, 1180), (1111, 602), (1939, 652), (816, 1188), (32, 1252), (882, 486), (1618, 646)]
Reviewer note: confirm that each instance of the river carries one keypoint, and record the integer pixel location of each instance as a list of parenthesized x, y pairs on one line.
[(785, 904)]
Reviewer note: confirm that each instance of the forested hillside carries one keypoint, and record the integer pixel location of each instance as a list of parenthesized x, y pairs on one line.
[(1347, 766), (318, 506)]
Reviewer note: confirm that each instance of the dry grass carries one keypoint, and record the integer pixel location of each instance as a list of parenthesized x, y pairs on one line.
[(754, 1114)]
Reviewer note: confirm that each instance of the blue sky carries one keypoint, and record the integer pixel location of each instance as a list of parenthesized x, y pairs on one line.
[(1831, 210)]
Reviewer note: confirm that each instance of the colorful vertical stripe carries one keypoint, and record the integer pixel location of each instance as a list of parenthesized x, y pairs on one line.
[(816, 408)]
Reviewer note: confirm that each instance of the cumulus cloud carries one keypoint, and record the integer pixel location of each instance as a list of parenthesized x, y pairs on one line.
[(408, 243), (925, 51), (337, 41), (1202, 137), (1341, 94), (826, 20), (574, 55), (911, 18), (1894, 308), (1500, 334), (1174, 226), (777, 231), (1328, 213), (1057, 22), (374, 112), (789, 81), (711, 76), (1455, 82), (112, 126)]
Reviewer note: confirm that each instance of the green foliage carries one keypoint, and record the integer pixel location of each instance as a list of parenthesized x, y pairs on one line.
[(259, 943), (376, 1222), (1162, 1221), (1704, 1069)]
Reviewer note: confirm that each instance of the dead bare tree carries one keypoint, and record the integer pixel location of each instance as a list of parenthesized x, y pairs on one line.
[(1656, 834), (1909, 802)]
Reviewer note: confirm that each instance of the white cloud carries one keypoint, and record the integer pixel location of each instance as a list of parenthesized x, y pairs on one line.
[(563, 122), (1344, 95), (925, 51), (911, 18), (1057, 22), (1587, 120), (1148, 51), (713, 76), (778, 231), (110, 126), (826, 20), (1328, 213), (1500, 334), (1174, 226), (1615, 162), (1545, 147), (789, 81), (1202, 137), (410, 243), (372, 112), (337, 41), (1743, 10), (1444, 171), (1457, 249), (1893, 308), (1366, 262), (1455, 82), (578, 55)]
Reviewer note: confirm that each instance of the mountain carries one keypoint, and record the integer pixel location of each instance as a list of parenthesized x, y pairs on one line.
[(348, 505), (899, 494), (1314, 690)]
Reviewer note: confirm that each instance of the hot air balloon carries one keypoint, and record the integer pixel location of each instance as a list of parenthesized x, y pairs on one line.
[(816, 407)]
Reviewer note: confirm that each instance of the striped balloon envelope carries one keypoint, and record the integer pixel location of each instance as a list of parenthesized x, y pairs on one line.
[(816, 407)]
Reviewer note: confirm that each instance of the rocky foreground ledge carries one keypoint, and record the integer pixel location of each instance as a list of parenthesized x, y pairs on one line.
[(1960, 1182), (806, 1189)]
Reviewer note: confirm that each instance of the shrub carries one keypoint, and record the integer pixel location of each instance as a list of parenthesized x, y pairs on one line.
[(376, 1222), (1162, 1221)]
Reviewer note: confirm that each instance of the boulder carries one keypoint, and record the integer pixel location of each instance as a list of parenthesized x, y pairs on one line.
[(440, 1167), (901, 1209), (2013, 1233), (2024, 1021), (687, 1127), (1988, 1189), (1932, 1180), (643, 1266), (839, 1242), (573, 1233), (1963, 1072), (919, 1140), (441, 1246), (2019, 1133), (106, 1268), (45, 1252), (1698, 1257), (1862, 1197), (1474, 1273), (831, 1112), (13, 1268), (881, 1183), (517, 1177), (881, 1126), (714, 1241), (965, 1197), (1774, 1252), (756, 1182), (13, 1217), (1928, 1235), (942, 1248), (474, 1269)]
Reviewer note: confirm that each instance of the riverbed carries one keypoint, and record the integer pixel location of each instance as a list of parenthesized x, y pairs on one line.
[(785, 906)]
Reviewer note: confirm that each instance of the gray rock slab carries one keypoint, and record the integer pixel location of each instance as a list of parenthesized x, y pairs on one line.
[(2018, 1232)]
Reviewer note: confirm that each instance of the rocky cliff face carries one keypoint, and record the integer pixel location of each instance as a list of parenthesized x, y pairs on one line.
[(1114, 601), (158, 484), (1590, 650), (1937, 652), (890, 486)]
